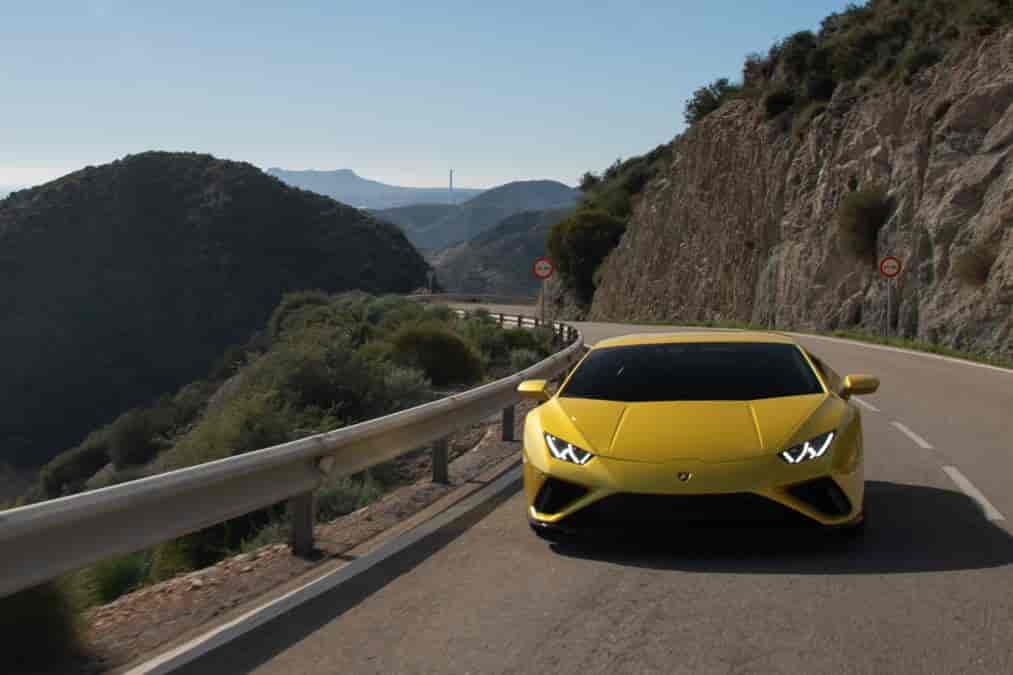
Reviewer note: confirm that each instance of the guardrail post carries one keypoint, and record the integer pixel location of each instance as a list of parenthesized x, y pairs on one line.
[(501, 318), (441, 473), (508, 423), (302, 514), (537, 322)]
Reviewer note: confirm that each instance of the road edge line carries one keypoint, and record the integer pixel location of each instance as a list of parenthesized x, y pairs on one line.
[(221, 635)]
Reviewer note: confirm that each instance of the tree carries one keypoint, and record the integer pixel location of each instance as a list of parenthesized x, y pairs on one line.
[(707, 99)]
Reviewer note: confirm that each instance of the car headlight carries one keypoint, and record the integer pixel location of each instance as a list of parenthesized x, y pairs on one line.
[(814, 448), (568, 452)]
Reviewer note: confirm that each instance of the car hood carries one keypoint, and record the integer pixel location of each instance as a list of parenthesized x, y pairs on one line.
[(712, 431)]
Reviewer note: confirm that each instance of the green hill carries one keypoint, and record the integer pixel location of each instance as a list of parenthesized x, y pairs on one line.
[(127, 280), (429, 230), (499, 260)]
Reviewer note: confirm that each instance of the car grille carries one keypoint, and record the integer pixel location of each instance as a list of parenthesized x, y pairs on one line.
[(632, 510)]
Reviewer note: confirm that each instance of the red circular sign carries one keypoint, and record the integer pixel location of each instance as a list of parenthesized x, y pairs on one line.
[(543, 268), (889, 267)]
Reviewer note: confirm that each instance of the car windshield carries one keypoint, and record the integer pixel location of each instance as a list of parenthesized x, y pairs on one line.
[(698, 371)]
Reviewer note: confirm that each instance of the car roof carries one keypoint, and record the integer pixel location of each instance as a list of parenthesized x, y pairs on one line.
[(690, 336)]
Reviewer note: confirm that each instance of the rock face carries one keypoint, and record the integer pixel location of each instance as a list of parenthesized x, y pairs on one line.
[(743, 224)]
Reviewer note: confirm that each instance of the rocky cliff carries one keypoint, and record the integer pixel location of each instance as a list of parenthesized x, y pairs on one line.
[(742, 224)]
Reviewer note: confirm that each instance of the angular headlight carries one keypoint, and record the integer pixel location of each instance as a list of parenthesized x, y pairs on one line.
[(811, 449), (568, 452)]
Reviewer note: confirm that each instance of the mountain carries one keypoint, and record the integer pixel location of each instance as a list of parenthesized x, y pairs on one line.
[(348, 187), (432, 229), (498, 261), (778, 214), (122, 282)]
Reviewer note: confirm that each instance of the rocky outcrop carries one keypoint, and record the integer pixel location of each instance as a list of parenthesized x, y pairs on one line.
[(743, 223)]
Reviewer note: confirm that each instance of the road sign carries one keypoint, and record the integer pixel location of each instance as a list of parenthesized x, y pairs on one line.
[(543, 268), (889, 267)]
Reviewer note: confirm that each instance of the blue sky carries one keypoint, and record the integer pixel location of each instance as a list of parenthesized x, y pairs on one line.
[(398, 91)]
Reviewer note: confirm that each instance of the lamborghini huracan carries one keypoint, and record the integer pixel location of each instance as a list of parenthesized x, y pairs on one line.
[(695, 429)]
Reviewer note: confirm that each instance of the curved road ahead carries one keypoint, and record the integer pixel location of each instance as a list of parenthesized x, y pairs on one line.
[(928, 590)]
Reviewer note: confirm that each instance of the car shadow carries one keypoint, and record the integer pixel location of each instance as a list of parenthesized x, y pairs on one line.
[(909, 528)]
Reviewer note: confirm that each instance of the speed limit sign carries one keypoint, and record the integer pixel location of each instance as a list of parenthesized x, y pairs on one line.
[(889, 267), (543, 268)]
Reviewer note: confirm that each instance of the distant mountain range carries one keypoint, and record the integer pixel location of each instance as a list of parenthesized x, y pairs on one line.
[(435, 226), (124, 281), (499, 260), (348, 187)]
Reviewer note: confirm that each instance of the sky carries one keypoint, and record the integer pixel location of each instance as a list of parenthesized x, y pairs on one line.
[(398, 91)]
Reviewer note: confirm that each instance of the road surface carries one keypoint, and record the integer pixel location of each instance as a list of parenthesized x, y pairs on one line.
[(928, 590)]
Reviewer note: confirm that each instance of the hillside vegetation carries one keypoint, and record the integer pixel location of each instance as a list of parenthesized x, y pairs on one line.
[(499, 260), (882, 39), (430, 230), (579, 242), (318, 363), (124, 281)]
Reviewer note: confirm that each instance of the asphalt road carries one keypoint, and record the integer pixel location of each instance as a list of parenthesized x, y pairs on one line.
[(928, 590)]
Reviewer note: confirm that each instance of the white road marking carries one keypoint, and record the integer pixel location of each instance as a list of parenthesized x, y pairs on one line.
[(913, 352), (974, 493), (913, 436), (866, 405)]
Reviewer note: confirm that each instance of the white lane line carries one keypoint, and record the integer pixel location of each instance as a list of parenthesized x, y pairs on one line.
[(912, 352), (866, 405), (974, 493), (913, 436)]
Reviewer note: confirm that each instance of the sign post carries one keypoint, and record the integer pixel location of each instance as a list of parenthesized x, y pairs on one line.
[(889, 267), (543, 269)]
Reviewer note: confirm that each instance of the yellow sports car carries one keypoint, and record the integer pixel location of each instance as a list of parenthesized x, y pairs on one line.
[(694, 428)]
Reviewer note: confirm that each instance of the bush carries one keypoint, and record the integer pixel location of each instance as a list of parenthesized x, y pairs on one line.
[(579, 243), (343, 495), (111, 578), (444, 356), (860, 216), (131, 438), (588, 182), (68, 472), (41, 626), (706, 100), (805, 118), (406, 387), (523, 358), (920, 59), (973, 264), (778, 101)]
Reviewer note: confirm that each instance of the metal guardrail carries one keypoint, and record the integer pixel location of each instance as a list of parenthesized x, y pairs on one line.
[(475, 298), (41, 541)]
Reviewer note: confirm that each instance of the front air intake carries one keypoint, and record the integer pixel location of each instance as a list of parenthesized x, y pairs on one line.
[(824, 495), (557, 494)]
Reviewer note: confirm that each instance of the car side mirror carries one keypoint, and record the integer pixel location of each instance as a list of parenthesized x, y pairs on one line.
[(857, 385), (535, 390)]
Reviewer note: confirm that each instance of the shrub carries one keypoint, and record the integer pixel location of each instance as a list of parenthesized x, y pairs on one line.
[(68, 472), (973, 264), (580, 242), (805, 118), (588, 181), (41, 626), (521, 338), (523, 358), (343, 495), (275, 532), (706, 100), (444, 356), (860, 216), (778, 101), (111, 578), (131, 438), (406, 387), (920, 59)]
